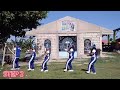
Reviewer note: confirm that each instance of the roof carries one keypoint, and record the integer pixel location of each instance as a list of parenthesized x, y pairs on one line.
[(79, 25), (105, 41), (118, 39)]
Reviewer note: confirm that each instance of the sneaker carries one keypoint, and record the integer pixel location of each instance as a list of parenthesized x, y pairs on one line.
[(70, 70), (87, 72), (93, 72), (65, 70), (46, 71), (13, 69), (32, 69), (42, 70), (29, 69), (17, 68)]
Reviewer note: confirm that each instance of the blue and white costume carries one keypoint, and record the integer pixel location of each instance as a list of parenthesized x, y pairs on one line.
[(31, 62), (92, 61), (46, 59), (17, 56), (68, 65)]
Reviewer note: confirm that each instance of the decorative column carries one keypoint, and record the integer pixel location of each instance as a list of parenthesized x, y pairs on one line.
[(101, 44), (114, 35), (108, 39)]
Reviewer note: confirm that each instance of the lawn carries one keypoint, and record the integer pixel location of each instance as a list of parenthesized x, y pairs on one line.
[(107, 68)]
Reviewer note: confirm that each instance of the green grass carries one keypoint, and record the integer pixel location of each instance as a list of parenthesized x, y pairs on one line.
[(107, 68)]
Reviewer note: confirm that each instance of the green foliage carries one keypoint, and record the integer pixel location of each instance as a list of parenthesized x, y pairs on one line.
[(16, 23), (24, 43), (111, 39)]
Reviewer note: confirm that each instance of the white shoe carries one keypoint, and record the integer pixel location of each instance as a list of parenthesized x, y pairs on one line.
[(87, 72), (32, 69), (29, 69), (93, 73), (13, 69), (70, 70), (17, 68), (46, 71), (65, 70), (42, 70)]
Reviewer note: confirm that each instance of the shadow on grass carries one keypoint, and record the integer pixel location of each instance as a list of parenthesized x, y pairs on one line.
[(83, 69)]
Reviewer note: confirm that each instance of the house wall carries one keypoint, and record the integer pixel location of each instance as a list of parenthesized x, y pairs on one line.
[(83, 30), (93, 37), (54, 44), (54, 38)]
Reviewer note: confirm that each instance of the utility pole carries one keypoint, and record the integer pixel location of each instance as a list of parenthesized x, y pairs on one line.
[(114, 33), (3, 55)]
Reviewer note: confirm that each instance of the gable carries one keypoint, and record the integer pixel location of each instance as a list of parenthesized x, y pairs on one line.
[(61, 26)]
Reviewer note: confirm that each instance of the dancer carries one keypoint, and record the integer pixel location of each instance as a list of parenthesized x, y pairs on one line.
[(46, 59), (31, 62), (68, 66), (93, 55), (17, 50)]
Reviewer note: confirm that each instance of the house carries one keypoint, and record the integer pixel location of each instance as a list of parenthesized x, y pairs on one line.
[(58, 34)]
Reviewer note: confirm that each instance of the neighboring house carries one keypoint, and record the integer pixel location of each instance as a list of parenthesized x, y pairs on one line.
[(105, 42), (58, 34)]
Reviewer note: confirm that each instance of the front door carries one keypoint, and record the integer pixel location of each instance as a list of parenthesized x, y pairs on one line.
[(64, 42)]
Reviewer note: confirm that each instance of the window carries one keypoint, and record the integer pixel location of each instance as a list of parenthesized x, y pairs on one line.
[(65, 41), (87, 46), (68, 25), (47, 43)]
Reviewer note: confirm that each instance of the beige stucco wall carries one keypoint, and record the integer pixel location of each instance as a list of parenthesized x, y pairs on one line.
[(54, 44), (54, 38), (94, 37)]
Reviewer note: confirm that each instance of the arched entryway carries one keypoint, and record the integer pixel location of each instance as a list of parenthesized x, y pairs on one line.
[(87, 46), (64, 42), (47, 44)]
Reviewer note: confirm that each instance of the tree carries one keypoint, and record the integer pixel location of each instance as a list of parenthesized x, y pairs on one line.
[(111, 39), (24, 43), (17, 23)]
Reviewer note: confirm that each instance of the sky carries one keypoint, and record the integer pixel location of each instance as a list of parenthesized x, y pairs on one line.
[(106, 19)]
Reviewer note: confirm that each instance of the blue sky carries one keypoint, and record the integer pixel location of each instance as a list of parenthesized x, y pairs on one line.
[(107, 19)]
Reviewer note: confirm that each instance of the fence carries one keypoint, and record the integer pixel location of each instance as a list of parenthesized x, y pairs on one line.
[(8, 55)]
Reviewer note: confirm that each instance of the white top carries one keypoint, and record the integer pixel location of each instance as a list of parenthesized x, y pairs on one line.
[(71, 49), (94, 51), (33, 50), (14, 49), (48, 52)]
